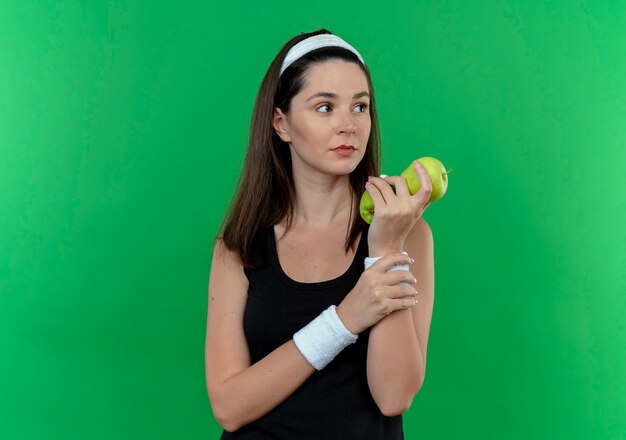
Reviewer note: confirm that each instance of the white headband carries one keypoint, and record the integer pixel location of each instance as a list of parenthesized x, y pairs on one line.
[(312, 43)]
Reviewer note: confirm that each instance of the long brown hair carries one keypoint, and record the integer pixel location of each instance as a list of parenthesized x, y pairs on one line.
[(265, 192)]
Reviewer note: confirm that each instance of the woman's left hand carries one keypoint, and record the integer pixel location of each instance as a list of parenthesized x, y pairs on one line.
[(395, 214)]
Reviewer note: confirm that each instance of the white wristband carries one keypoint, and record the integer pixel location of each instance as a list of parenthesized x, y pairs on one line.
[(322, 339), (371, 260)]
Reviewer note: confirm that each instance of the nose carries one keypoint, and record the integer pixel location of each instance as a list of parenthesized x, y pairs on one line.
[(346, 123)]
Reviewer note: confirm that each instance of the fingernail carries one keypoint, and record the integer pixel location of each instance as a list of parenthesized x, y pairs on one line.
[(369, 177), (412, 260)]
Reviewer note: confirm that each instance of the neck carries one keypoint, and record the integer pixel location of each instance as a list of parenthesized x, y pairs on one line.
[(322, 201)]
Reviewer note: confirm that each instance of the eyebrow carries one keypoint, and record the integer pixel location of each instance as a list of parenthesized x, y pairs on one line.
[(334, 95)]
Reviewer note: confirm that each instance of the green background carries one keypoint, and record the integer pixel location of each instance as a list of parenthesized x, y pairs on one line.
[(123, 127)]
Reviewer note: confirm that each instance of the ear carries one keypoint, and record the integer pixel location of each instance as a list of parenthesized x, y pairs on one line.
[(279, 122)]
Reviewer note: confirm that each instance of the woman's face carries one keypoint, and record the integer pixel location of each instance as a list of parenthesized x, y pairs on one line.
[(332, 109)]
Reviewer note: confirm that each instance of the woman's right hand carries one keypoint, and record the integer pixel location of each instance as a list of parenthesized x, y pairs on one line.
[(377, 294)]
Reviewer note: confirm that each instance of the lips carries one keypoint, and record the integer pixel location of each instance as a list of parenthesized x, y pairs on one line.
[(344, 150)]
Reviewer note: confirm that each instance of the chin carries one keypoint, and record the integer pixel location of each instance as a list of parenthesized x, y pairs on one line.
[(346, 168)]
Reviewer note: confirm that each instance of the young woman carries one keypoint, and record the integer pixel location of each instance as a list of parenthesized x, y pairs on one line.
[(314, 330)]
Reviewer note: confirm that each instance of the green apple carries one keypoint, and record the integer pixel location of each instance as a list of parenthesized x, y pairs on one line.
[(438, 179)]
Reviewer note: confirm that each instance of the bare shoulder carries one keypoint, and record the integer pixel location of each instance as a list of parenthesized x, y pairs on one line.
[(228, 283), (420, 246), (225, 256), (421, 234)]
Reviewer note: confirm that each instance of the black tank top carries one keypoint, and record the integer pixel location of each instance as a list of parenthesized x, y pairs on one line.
[(333, 403)]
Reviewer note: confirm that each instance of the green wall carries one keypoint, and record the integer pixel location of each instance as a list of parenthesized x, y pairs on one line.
[(122, 133)]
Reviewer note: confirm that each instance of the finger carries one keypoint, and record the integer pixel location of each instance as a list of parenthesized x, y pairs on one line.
[(376, 195), (404, 195), (396, 277), (386, 262), (397, 292), (385, 189), (402, 189), (426, 186), (403, 303)]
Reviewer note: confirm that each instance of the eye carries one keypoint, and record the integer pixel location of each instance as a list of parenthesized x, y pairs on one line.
[(363, 105)]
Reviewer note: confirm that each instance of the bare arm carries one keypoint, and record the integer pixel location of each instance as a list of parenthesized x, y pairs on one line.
[(396, 359), (396, 362), (239, 392)]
